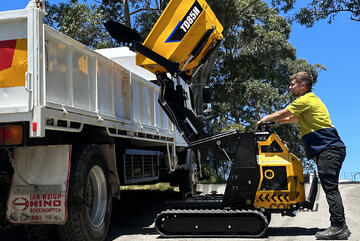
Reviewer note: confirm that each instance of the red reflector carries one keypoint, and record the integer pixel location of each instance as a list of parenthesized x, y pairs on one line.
[(34, 126), (8, 134), (2, 135)]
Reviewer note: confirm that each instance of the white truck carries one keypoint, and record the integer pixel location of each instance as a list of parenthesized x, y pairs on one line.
[(74, 126)]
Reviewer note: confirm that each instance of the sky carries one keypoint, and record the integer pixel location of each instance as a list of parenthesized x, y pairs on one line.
[(337, 47)]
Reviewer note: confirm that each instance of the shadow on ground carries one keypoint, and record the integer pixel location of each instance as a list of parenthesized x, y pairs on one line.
[(272, 232), (136, 211), (292, 231), (138, 208)]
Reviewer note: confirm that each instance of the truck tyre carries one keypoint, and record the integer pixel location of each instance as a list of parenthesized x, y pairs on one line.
[(3, 196), (89, 197)]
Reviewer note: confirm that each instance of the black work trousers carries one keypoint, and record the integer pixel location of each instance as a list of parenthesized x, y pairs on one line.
[(329, 163)]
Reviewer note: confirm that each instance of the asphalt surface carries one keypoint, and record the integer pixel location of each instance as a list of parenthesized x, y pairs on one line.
[(136, 224), (133, 218)]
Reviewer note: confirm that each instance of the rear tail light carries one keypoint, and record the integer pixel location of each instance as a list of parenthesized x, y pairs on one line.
[(11, 135)]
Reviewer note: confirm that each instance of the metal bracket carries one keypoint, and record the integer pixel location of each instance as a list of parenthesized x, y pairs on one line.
[(28, 83)]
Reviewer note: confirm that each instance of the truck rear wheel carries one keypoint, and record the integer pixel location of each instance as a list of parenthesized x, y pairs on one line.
[(4, 190), (89, 197)]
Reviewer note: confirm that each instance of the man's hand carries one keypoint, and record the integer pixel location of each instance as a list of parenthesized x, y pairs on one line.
[(261, 121)]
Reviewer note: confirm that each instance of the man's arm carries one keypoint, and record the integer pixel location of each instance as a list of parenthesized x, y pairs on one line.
[(290, 119), (282, 116)]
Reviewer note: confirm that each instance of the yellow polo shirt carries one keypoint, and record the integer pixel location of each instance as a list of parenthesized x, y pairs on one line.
[(311, 112), (317, 132)]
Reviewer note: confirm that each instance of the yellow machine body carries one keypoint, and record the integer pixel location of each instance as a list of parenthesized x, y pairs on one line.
[(178, 31), (281, 176)]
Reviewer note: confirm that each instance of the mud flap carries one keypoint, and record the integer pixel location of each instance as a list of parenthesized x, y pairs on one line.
[(313, 193), (47, 169)]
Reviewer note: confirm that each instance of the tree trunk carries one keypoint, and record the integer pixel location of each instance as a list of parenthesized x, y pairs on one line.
[(127, 13)]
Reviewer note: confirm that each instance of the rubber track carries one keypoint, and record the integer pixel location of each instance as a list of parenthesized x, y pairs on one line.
[(161, 217)]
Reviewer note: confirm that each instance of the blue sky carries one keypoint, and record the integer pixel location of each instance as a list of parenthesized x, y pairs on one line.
[(336, 46)]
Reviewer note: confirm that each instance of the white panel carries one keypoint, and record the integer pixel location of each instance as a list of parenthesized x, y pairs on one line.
[(146, 105), (13, 30), (92, 83), (151, 106), (165, 120), (158, 118), (14, 99), (170, 125), (57, 86), (162, 118), (105, 88), (126, 58), (136, 96), (81, 85), (122, 94)]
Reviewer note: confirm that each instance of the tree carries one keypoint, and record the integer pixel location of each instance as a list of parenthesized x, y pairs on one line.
[(319, 9)]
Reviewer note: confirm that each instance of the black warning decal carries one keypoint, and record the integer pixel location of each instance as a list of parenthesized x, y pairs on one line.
[(185, 24)]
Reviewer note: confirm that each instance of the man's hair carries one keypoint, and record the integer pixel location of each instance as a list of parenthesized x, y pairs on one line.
[(303, 77)]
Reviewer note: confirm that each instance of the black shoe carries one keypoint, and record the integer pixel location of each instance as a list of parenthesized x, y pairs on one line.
[(334, 233)]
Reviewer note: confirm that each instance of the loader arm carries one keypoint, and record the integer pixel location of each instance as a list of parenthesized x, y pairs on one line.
[(181, 42)]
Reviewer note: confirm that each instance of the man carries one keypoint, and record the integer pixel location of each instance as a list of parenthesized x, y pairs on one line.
[(322, 143)]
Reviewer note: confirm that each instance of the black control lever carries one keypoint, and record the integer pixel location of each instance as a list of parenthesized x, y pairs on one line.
[(265, 126)]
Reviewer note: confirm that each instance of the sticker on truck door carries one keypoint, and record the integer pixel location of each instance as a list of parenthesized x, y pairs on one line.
[(13, 62)]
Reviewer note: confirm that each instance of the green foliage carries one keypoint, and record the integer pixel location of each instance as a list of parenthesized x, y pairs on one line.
[(209, 176), (81, 22), (319, 9), (84, 22), (147, 18)]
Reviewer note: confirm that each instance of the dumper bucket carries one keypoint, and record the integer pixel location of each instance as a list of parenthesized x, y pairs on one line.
[(185, 32)]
